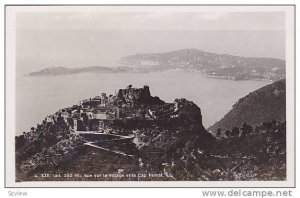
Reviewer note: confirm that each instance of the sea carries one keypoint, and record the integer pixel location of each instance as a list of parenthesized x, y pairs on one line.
[(37, 97)]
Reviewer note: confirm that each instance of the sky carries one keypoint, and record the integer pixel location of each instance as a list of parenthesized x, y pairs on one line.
[(152, 20), (100, 37)]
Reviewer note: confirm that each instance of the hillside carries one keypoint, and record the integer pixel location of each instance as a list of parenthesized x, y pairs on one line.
[(263, 105), (209, 64)]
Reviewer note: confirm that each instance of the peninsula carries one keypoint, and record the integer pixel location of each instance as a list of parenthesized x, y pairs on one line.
[(208, 64)]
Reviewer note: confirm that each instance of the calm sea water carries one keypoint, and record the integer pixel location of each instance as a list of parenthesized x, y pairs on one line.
[(37, 97)]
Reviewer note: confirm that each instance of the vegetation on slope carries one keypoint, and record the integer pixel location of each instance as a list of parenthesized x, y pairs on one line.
[(263, 105)]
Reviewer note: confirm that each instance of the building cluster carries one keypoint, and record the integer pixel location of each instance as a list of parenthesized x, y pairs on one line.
[(89, 115), (95, 114), (164, 112)]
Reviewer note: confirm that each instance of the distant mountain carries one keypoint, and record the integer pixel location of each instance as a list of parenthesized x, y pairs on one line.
[(52, 71), (263, 105), (210, 64)]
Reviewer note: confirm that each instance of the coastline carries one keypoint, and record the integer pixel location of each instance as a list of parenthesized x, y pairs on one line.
[(165, 70)]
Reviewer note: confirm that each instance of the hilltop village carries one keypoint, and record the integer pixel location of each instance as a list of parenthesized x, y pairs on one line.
[(89, 115), (130, 124), (95, 114)]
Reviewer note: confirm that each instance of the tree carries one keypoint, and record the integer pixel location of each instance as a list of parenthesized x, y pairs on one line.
[(189, 164), (246, 129), (227, 133), (235, 132), (218, 134), (188, 146)]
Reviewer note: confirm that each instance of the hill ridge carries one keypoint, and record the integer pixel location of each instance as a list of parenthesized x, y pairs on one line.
[(263, 105)]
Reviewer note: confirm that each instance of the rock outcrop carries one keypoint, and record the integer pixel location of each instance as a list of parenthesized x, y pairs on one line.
[(137, 96)]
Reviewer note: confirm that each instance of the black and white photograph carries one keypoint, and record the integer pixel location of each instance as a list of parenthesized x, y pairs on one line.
[(150, 95)]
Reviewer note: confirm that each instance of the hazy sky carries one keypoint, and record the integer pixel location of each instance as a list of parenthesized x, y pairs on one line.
[(74, 39), (152, 21)]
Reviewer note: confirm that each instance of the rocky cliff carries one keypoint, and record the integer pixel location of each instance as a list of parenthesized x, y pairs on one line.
[(137, 96)]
